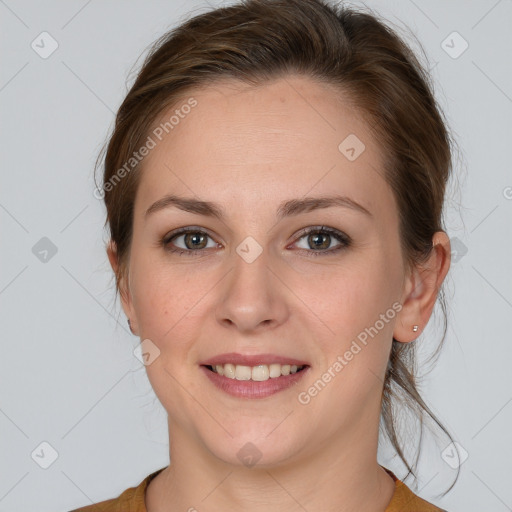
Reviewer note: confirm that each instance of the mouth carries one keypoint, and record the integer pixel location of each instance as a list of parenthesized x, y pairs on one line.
[(254, 382), (249, 376), (257, 373)]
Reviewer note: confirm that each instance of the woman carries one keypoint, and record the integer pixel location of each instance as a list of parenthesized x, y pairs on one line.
[(274, 187)]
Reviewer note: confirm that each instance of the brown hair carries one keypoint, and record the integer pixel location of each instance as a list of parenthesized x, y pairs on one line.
[(256, 41)]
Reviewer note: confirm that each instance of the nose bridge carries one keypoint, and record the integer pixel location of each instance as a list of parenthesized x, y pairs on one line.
[(251, 295), (250, 264)]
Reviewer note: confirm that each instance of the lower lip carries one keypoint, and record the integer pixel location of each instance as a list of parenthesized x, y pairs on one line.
[(251, 388)]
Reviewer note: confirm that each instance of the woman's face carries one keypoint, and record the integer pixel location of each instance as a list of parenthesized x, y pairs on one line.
[(252, 281)]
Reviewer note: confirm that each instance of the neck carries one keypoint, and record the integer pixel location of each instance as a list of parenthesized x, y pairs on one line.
[(339, 477)]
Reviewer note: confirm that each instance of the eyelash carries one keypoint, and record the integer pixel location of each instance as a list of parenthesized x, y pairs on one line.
[(338, 235)]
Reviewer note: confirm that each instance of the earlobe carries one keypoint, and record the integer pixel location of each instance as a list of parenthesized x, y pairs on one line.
[(408, 325), (421, 290), (124, 292)]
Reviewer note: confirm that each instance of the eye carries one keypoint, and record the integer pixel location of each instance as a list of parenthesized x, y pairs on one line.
[(192, 240), (318, 240)]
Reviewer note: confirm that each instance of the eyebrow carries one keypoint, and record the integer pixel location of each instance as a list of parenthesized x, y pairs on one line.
[(286, 208)]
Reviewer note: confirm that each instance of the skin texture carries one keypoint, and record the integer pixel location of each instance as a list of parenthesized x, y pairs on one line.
[(248, 149)]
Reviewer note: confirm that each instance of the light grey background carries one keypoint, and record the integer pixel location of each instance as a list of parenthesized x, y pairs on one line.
[(68, 373)]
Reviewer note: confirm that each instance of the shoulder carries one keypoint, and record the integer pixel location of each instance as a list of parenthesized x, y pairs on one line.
[(131, 499), (404, 500)]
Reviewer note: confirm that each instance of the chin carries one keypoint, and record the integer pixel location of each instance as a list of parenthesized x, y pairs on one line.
[(255, 451)]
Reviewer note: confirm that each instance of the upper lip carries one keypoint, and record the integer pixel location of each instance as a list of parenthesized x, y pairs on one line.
[(251, 360)]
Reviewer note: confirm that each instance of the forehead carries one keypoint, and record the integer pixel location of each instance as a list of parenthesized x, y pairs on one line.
[(284, 138)]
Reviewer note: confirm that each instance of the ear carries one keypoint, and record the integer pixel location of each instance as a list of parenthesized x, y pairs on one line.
[(124, 291), (421, 289)]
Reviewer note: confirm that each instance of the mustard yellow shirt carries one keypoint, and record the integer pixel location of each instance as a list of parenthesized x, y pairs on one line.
[(132, 499)]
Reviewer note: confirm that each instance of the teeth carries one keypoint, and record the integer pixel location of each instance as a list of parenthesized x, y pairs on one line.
[(229, 370), (274, 370), (257, 373), (260, 372), (242, 372)]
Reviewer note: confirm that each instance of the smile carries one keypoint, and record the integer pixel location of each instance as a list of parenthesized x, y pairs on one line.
[(250, 382), (258, 373)]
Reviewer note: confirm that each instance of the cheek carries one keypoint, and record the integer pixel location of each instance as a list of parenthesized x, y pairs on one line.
[(357, 306), (347, 299), (170, 301), (167, 304)]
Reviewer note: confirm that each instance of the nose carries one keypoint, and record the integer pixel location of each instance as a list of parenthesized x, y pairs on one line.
[(252, 297)]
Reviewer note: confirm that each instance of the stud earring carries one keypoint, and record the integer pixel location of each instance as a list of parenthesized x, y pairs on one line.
[(415, 328)]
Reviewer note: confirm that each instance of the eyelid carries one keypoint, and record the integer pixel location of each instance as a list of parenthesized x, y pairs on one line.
[(326, 229), (165, 241), (344, 240), (184, 230)]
